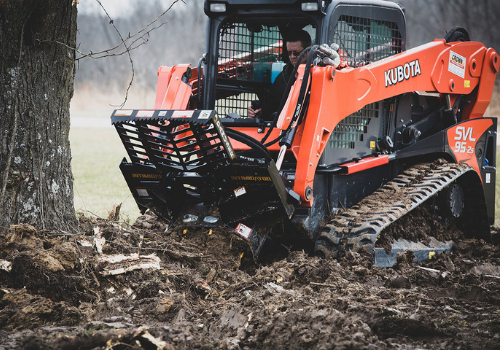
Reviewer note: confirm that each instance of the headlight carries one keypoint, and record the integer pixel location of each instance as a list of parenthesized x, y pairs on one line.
[(217, 7), (309, 6)]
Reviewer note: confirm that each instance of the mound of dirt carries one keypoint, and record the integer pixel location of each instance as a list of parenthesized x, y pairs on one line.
[(150, 286)]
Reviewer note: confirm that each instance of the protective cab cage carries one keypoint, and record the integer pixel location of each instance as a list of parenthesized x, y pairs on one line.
[(250, 52)]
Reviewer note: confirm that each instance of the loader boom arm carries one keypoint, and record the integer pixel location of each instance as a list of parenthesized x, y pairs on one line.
[(446, 68)]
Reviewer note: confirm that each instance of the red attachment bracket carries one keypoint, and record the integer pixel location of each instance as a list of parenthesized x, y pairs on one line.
[(363, 164)]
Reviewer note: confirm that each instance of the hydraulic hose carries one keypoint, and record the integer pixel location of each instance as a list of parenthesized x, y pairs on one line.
[(299, 109), (284, 97), (200, 61), (250, 141)]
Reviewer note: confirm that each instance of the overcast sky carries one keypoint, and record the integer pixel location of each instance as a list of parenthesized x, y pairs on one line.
[(115, 8)]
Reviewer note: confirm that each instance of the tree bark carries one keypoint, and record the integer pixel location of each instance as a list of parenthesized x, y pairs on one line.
[(36, 86)]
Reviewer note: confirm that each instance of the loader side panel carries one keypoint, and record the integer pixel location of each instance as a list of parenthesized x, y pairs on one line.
[(357, 135)]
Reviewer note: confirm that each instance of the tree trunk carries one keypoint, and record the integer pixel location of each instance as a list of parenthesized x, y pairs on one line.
[(36, 86)]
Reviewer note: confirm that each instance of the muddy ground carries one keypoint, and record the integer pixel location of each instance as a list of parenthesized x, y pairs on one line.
[(201, 289)]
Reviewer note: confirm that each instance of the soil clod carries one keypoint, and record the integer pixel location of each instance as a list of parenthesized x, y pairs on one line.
[(207, 292)]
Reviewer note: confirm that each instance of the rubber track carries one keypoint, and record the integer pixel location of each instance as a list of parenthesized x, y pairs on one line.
[(358, 227)]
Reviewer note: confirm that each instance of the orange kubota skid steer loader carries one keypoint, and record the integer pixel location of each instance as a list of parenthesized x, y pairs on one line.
[(366, 134)]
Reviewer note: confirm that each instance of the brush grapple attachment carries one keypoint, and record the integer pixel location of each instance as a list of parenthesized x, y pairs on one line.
[(184, 169)]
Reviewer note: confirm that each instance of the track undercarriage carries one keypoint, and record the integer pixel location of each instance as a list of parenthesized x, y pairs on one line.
[(441, 193)]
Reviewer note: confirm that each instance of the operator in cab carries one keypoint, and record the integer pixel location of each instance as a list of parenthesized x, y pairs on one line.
[(296, 42)]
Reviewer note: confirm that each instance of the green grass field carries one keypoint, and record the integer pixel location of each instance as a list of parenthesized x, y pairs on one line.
[(99, 184)]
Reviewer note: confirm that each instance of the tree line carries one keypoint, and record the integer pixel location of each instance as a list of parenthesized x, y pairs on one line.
[(181, 37), (431, 19), (176, 37)]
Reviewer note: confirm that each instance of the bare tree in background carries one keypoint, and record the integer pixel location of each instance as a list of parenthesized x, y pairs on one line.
[(181, 40), (36, 183), (431, 19)]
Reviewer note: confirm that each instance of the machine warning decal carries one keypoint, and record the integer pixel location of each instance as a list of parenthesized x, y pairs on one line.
[(123, 112), (145, 113), (456, 65), (204, 114), (142, 192), (182, 114), (243, 230), (240, 191), (404, 72)]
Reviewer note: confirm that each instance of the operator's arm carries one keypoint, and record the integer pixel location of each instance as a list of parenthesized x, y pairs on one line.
[(272, 101)]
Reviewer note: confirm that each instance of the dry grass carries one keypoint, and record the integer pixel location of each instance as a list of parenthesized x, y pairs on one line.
[(97, 151), (99, 184), (89, 100)]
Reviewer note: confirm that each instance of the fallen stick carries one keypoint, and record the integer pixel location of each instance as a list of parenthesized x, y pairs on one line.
[(323, 284), (119, 264)]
